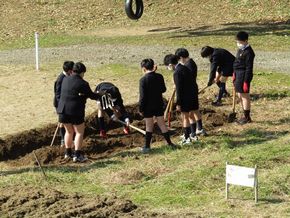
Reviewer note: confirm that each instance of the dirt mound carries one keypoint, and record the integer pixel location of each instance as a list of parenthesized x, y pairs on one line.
[(31, 202), (18, 148)]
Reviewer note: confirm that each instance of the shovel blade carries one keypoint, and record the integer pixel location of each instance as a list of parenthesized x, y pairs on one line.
[(232, 117)]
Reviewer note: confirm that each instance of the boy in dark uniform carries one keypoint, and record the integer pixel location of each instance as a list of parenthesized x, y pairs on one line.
[(196, 124), (221, 68), (115, 112), (67, 70), (185, 93), (243, 74), (151, 102)]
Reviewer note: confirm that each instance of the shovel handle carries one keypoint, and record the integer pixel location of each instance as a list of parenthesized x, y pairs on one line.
[(168, 104), (54, 135), (133, 127), (234, 100)]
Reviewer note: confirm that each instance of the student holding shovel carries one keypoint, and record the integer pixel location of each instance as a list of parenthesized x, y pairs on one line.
[(196, 124), (243, 74), (221, 67), (151, 104), (67, 70), (185, 93), (112, 105)]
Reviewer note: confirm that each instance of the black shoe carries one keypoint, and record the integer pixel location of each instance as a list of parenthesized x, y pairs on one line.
[(216, 103), (145, 150), (81, 158), (244, 120), (173, 146)]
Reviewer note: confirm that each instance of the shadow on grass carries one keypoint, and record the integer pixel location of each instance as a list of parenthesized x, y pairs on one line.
[(253, 28), (250, 137), (273, 95), (63, 169)]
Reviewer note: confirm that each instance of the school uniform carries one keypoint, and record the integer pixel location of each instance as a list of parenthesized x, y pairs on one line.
[(111, 89), (74, 93), (191, 65), (185, 88), (57, 88), (243, 68), (222, 61), (151, 87)]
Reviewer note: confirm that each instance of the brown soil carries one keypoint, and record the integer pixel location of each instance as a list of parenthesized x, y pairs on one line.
[(17, 149), (31, 202)]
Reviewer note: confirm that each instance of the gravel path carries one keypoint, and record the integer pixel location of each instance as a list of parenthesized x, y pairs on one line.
[(95, 55)]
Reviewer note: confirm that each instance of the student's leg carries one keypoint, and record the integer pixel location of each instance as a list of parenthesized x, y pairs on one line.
[(149, 122), (163, 128), (192, 121), (186, 124), (68, 138), (79, 130), (62, 133), (246, 102)]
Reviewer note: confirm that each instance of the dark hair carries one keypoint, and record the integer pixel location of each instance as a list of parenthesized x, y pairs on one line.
[(67, 65), (148, 64), (170, 59), (206, 51), (79, 68), (242, 36), (182, 53)]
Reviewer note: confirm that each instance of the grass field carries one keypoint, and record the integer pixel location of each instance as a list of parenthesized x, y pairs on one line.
[(189, 182)]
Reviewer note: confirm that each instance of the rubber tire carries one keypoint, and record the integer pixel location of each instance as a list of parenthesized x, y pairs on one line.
[(129, 10)]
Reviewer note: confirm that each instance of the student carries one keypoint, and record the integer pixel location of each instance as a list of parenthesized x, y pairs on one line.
[(67, 70), (151, 102), (185, 93), (196, 123), (71, 109), (243, 74), (221, 68), (116, 111)]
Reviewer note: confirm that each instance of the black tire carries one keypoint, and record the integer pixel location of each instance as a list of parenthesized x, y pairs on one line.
[(129, 10)]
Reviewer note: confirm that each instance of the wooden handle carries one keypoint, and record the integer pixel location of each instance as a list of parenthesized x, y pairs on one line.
[(54, 135), (234, 99), (168, 104), (133, 127), (204, 88)]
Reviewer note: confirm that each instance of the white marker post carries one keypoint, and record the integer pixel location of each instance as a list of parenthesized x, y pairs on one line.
[(36, 51), (243, 176)]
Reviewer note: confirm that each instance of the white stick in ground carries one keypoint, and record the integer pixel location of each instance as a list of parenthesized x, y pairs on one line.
[(36, 51)]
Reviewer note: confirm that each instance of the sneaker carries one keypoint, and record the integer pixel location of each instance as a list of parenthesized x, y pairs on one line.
[(201, 132), (244, 120), (193, 137), (103, 134), (145, 150), (216, 103), (81, 158), (185, 141), (126, 130), (68, 156)]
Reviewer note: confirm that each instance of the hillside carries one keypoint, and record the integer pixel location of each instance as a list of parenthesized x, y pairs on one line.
[(19, 19)]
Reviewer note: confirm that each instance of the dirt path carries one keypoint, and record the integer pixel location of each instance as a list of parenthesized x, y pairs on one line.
[(95, 55)]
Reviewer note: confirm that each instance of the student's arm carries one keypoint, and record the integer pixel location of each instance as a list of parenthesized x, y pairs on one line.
[(213, 68), (249, 61), (178, 86), (87, 92), (142, 96), (57, 89), (162, 84)]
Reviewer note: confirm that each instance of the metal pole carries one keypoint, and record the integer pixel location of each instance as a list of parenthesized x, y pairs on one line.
[(256, 184), (227, 185), (36, 51)]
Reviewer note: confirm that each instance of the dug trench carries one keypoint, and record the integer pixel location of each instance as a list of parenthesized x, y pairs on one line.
[(16, 150)]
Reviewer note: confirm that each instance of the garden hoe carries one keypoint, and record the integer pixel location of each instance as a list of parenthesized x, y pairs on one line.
[(232, 116)]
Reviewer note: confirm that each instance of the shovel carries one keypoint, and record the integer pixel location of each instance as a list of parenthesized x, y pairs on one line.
[(168, 104), (201, 90), (133, 127), (232, 116)]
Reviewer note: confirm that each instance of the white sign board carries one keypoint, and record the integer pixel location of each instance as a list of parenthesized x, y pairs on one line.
[(243, 176)]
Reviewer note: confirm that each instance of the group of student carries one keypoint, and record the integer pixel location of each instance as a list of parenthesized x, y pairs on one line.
[(71, 92)]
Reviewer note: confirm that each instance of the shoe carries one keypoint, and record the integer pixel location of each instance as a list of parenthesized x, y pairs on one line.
[(201, 132), (126, 130), (103, 134), (216, 103), (145, 150), (68, 156), (244, 120), (193, 137), (185, 141), (81, 158)]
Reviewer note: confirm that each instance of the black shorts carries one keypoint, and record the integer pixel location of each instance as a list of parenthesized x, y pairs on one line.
[(74, 120), (191, 105), (239, 86), (226, 71), (155, 113)]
